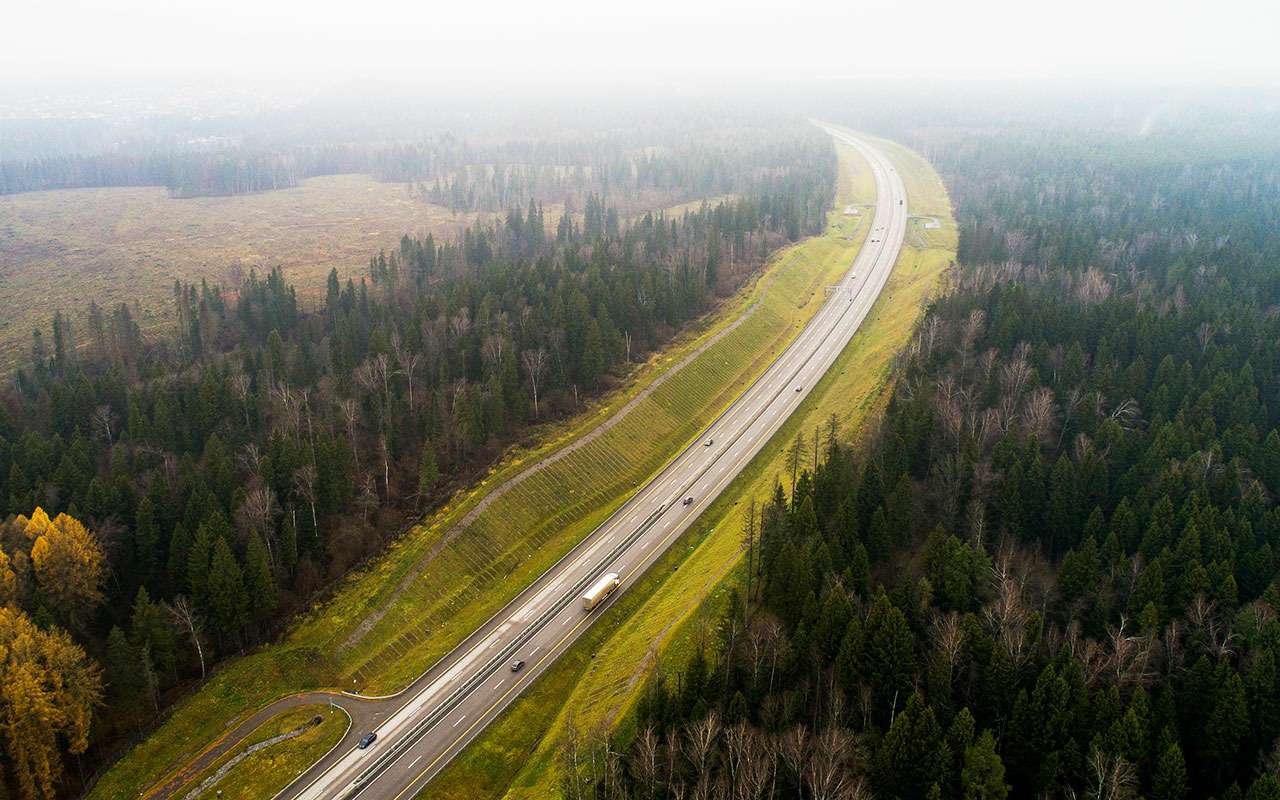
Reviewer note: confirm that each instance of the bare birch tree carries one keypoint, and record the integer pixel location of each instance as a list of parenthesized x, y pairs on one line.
[(535, 363), (186, 619)]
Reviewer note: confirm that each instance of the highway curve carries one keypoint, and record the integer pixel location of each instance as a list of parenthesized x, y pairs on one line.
[(429, 722)]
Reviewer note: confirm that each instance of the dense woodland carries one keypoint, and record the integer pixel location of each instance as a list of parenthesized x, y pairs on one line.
[(682, 161), (172, 500), (1051, 569)]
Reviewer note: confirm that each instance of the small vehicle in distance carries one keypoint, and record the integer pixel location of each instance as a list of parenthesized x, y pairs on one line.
[(367, 740), (688, 500), (517, 665), (708, 442), (798, 388)]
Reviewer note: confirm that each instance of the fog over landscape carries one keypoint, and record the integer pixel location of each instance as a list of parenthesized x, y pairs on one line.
[(668, 400), (505, 43)]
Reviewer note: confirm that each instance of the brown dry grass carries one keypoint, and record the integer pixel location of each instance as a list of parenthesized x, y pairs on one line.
[(60, 249)]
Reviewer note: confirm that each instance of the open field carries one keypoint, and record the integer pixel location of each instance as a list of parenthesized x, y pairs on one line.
[(517, 535), (60, 248), (266, 771), (661, 619)]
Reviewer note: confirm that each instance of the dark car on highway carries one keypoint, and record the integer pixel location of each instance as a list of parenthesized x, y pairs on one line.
[(367, 740)]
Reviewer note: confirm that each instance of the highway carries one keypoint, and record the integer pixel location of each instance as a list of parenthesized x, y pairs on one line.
[(428, 723)]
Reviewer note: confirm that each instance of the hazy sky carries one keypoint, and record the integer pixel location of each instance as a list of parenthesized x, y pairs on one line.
[(605, 40)]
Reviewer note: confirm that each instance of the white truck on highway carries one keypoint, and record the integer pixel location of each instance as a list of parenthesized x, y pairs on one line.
[(600, 590)]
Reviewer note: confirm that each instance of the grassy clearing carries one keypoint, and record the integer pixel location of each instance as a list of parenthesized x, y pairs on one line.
[(130, 244), (520, 534), (267, 771), (58, 248), (663, 617)]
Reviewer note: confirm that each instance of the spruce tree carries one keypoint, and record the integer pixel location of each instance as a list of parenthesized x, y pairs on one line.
[(1169, 778), (122, 667), (982, 777), (428, 470), (259, 580), (888, 660), (146, 541), (227, 598), (914, 753)]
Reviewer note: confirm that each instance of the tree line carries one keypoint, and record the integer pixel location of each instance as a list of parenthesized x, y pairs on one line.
[(1051, 567), (220, 476), (678, 162)]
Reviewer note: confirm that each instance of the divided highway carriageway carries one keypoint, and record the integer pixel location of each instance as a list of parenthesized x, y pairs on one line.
[(433, 719)]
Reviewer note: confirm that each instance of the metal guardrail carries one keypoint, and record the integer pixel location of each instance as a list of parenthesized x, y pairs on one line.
[(421, 728), (451, 702)]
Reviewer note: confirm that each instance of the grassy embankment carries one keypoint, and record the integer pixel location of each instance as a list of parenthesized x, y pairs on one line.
[(267, 771), (523, 531), (661, 618)]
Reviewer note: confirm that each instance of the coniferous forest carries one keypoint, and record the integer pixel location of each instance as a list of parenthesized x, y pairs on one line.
[(1050, 569), (173, 499)]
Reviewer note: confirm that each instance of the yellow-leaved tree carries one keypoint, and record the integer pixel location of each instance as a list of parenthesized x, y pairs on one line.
[(36, 525), (68, 563), (48, 689), (8, 581)]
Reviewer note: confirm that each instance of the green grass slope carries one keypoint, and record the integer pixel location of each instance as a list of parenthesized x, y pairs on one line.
[(267, 771), (454, 585), (661, 618)]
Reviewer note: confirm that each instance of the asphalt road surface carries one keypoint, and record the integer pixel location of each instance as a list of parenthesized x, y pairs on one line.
[(428, 723)]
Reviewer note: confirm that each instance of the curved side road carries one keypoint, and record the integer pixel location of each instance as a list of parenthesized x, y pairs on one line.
[(434, 718), (361, 714)]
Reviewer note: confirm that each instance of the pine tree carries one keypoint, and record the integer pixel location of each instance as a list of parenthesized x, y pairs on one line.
[(260, 582), (888, 660), (1263, 692), (1226, 729), (982, 777), (123, 679), (849, 660), (179, 566), (288, 543), (914, 754), (146, 541), (227, 599), (593, 356), (198, 556), (1169, 779), (833, 621), (879, 538), (860, 570), (150, 630), (428, 470)]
